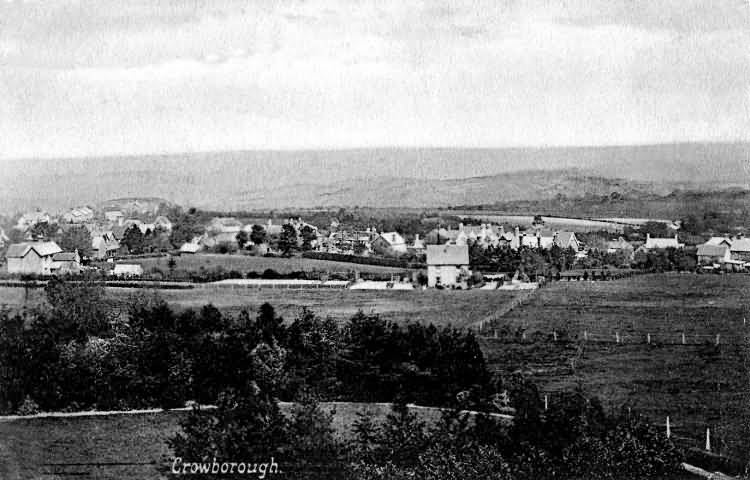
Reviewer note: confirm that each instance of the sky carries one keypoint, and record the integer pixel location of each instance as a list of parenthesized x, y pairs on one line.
[(89, 78)]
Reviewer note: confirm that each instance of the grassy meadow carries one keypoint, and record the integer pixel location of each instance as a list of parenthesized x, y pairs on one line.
[(698, 385)]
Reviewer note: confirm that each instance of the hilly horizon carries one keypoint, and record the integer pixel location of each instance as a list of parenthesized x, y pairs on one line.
[(373, 177)]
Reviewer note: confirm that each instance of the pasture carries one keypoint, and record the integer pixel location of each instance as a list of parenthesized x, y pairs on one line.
[(247, 263), (698, 385), (442, 307), (458, 308)]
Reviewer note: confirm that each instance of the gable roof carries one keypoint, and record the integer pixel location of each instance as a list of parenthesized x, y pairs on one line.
[(564, 238), (740, 245), (43, 249), (447, 255), (718, 241), (392, 238)]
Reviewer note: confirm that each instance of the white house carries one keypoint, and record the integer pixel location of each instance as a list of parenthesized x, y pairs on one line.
[(446, 263), (33, 258), (389, 242), (653, 243), (127, 270)]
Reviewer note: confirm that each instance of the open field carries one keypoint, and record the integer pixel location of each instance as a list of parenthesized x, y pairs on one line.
[(441, 307), (698, 386), (247, 263)]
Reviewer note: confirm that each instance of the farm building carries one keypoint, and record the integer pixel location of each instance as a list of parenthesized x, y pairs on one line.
[(33, 258), (446, 264), (66, 263), (740, 249), (709, 254), (162, 223), (127, 270), (389, 242)]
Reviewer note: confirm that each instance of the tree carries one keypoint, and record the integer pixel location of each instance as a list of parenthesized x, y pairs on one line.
[(43, 231), (258, 235), (76, 238), (287, 239), (133, 239), (241, 238), (79, 309), (308, 236)]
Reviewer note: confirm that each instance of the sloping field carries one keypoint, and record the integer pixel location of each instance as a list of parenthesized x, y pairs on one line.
[(698, 385)]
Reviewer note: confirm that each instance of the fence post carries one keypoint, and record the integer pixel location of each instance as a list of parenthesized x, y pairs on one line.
[(717, 339), (617, 337), (554, 335), (708, 439), (495, 333), (669, 430), (683, 338), (648, 338), (585, 335), (523, 335), (546, 404)]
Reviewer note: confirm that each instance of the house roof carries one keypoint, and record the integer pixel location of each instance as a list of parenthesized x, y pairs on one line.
[(652, 242), (564, 238), (65, 257), (43, 249), (740, 245), (710, 250), (447, 255), (393, 238), (718, 241)]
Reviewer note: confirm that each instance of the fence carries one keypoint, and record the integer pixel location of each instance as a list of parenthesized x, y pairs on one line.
[(506, 335)]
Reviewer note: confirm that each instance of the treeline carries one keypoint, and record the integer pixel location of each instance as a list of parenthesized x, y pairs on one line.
[(79, 355)]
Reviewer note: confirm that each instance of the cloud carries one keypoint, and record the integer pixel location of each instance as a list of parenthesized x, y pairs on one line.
[(81, 78)]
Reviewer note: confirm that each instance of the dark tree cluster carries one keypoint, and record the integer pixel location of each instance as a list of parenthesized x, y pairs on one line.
[(77, 354)]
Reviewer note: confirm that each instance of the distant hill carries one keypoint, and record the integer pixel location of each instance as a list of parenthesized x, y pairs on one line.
[(408, 192), (386, 176)]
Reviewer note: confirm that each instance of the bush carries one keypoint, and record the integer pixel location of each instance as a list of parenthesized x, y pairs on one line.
[(28, 407)]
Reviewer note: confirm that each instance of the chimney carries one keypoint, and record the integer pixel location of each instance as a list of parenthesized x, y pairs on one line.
[(648, 237), (416, 237)]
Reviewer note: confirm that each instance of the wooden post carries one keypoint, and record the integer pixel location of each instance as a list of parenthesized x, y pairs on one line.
[(708, 439), (683, 338), (546, 404), (717, 339), (617, 337), (523, 335), (554, 335), (669, 431), (648, 338), (495, 334), (585, 335)]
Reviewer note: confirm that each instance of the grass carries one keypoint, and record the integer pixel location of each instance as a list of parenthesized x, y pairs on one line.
[(441, 307), (698, 386), (247, 263)]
